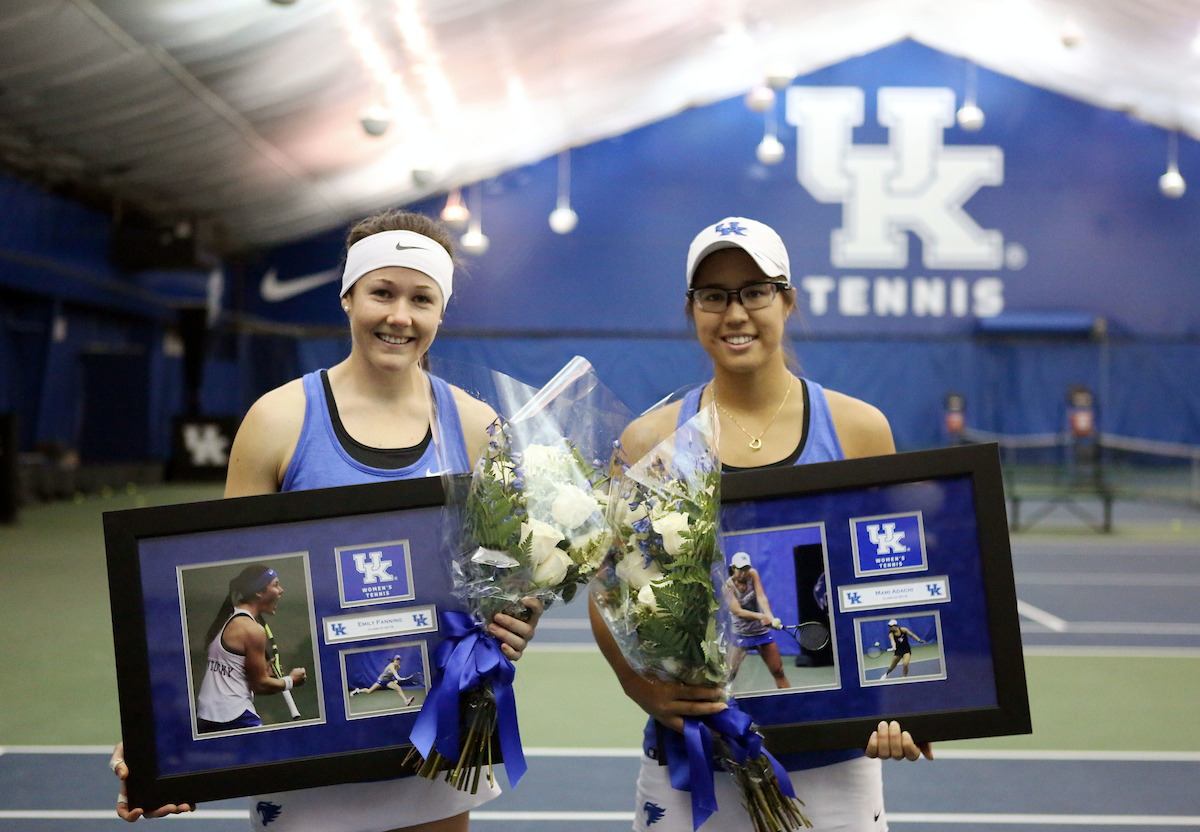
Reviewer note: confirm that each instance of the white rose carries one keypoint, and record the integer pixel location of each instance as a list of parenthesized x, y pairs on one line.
[(646, 596), (552, 570), (670, 527), (537, 459), (545, 540), (573, 506), (627, 516), (633, 571)]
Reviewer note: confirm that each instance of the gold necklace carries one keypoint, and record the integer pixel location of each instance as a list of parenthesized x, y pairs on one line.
[(755, 441)]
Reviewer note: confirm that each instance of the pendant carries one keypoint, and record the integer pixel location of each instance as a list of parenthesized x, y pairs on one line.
[(755, 444)]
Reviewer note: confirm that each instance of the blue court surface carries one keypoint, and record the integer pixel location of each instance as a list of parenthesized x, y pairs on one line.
[(580, 789)]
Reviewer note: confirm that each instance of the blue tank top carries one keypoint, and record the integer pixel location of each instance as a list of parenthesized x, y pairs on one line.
[(320, 461), (820, 444)]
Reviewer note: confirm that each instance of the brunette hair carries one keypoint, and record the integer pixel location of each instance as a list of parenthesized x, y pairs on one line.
[(399, 220), (237, 594)]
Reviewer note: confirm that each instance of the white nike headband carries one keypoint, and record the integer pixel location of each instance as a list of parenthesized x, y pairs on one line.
[(407, 249)]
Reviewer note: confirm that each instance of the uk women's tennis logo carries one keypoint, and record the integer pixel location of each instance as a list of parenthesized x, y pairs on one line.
[(888, 543), (375, 573)]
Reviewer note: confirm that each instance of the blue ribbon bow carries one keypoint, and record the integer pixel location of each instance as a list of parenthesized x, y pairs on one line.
[(467, 658), (690, 756)]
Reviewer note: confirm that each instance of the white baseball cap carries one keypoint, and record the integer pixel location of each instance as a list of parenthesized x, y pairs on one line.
[(758, 240), (740, 561), (893, 623)]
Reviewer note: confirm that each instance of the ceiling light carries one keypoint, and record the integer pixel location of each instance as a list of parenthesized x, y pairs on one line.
[(455, 214), (770, 150), (780, 76), (1171, 184), (761, 98), (562, 219), (1071, 35), (376, 120), (475, 241), (970, 117)]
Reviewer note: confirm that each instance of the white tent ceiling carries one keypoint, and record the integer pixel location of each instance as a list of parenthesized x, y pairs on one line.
[(244, 114)]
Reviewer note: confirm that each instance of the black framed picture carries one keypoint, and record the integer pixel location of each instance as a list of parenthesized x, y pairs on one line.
[(337, 590), (891, 587)]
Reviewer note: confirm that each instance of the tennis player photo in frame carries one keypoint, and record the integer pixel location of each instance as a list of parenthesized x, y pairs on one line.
[(783, 639), (899, 649), (224, 610), (385, 680), (846, 548), (249, 630)]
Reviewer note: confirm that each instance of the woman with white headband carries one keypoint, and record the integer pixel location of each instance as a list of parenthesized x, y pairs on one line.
[(375, 416), (739, 298)]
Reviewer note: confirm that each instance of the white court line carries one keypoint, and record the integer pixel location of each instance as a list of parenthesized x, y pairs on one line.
[(1050, 622), (893, 817), (1101, 579), (1112, 652), (565, 647), (1044, 820), (583, 752), (56, 749), (1140, 628), (559, 816), (942, 753), (1071, 756), (111, 814)]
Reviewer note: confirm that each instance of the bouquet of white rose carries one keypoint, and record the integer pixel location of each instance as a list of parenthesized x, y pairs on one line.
[(533, 525), (659, 594)]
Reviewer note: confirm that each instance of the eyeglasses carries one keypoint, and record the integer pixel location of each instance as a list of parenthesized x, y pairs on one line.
[(754, 296)]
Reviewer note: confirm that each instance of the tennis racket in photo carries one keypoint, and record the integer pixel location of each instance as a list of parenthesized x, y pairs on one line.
[(277, 670), (874, 651), (811, 635)]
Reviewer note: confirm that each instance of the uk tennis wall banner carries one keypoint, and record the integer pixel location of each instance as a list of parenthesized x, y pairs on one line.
[(898, 220), (888, 543)]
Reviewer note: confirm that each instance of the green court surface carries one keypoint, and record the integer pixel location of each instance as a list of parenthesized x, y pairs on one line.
[(59, 687)]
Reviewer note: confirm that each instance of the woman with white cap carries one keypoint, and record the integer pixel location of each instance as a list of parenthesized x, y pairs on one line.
[(752, 620), (739, 298), (375, 416)]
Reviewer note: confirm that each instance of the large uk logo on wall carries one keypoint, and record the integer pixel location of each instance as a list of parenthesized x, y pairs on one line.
[(913, 184)]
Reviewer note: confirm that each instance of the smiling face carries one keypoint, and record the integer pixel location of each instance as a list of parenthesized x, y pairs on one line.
[(739, 340), (394, 314)]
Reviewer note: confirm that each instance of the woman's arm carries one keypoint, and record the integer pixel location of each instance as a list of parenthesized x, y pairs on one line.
[(476, 417), (667, 702), (265, 442), (861, 428), (734, 607), (764, 605)]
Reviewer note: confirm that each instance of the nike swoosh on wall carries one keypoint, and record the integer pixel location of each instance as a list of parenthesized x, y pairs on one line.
[(274, 290)]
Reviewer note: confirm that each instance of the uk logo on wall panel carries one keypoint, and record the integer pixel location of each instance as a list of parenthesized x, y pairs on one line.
[(888, 543), (913, 184), (374, 573)]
